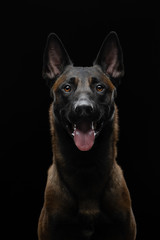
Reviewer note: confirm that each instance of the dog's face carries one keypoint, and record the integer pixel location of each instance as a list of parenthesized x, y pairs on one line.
[(83, 96), (83, 103)]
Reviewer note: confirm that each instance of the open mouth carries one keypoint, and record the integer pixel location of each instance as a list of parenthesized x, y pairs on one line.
[(84, 133)]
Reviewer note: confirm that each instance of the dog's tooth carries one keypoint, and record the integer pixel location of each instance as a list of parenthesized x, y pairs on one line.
[(92, 126), (74, 129)]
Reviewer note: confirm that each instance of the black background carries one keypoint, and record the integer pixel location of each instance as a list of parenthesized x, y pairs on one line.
[(26, 145)]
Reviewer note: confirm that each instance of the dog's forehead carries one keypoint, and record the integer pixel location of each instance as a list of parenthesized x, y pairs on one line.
[(82, 73)]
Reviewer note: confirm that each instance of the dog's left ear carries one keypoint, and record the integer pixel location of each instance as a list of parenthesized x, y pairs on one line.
[(110, 57)]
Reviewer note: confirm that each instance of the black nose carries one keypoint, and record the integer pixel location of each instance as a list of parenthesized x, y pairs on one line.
[(84, 110)]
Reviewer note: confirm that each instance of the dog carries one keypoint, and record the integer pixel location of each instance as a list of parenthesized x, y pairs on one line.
[(86, 196)]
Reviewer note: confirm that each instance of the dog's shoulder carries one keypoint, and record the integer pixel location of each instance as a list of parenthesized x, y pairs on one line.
[(117, 197), (57, 195)]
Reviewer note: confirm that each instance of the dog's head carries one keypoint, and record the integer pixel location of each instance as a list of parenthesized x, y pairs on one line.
[(83, 97)]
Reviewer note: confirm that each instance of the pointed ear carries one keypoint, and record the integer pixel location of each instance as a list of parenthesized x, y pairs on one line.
[(110, 57), (55, 58)]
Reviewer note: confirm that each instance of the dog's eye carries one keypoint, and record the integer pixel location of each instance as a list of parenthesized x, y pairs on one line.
[(67, 88), (99, 88)]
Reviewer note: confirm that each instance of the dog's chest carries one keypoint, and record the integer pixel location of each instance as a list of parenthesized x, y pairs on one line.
[(88, 213), (89, 208)]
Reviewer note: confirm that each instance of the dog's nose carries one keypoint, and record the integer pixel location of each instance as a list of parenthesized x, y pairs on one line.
[(84, 109), (83, 106)]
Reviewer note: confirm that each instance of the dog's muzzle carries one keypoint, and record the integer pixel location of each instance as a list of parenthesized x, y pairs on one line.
[(83, 123)]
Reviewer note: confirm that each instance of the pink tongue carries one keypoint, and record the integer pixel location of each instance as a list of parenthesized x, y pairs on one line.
[(84, 137)]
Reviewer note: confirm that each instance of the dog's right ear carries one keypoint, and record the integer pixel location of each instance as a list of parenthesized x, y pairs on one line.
[(55, 58)]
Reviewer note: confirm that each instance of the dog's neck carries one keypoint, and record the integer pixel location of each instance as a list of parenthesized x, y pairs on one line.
[(99, 159)]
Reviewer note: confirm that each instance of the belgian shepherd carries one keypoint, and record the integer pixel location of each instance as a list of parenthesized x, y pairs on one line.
[(86, 196)]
